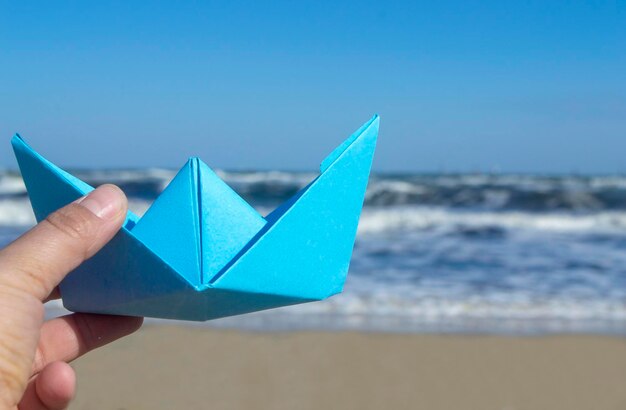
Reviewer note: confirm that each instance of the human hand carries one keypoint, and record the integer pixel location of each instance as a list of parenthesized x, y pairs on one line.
[(34, 373)]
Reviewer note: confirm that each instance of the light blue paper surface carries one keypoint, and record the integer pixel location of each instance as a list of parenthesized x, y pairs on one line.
[(201, 252)]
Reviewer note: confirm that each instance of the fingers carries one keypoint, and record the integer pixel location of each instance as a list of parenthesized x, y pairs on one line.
[(30, 269), (40, 259), (71, 336), (52, 389)]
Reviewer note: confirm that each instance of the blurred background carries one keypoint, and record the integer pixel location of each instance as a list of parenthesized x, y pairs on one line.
[(489, 269)]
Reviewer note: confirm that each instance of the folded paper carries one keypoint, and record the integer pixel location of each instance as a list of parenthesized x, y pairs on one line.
[(201, 252)]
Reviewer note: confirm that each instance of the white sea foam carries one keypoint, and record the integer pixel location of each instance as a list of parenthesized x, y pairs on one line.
[(16, 212), (128, 175), (399, 188), (380, 220), (11, 184), (266, 177), (138, 207)]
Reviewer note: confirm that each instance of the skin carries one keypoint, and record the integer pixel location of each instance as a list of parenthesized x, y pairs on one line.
[(34, 354)]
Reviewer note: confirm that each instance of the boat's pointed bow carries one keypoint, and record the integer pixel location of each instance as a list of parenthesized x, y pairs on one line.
[(49, 187), (365, 136)]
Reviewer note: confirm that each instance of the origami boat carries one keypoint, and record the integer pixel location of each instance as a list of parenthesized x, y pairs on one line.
[(201, 252)]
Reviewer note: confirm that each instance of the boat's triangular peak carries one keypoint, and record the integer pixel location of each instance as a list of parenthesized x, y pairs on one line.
[(227, 222), (201, 211), (173, 219), (371, 125)]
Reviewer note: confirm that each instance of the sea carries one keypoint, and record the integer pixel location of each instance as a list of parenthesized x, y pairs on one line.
[(436, 253)]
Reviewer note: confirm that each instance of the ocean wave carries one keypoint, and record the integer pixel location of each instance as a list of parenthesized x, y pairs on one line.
[(380, 220), (297, 179), (16, 211), (534, 194), (411, 218), (485, 192)]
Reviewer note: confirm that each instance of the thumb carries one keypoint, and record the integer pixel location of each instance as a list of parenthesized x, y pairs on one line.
[(37, 261)]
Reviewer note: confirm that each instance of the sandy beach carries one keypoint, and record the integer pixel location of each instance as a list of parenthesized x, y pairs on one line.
[(197, 368)]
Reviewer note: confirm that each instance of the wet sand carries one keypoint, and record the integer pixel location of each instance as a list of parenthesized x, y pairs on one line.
[(197, 368)]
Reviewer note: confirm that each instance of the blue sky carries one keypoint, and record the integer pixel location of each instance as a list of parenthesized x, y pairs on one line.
[(529, 86)]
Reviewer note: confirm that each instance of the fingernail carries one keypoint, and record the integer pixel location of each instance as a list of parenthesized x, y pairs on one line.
[(105, 202)]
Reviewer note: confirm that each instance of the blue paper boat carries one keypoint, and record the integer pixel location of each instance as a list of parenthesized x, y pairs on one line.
[(201, 252)]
